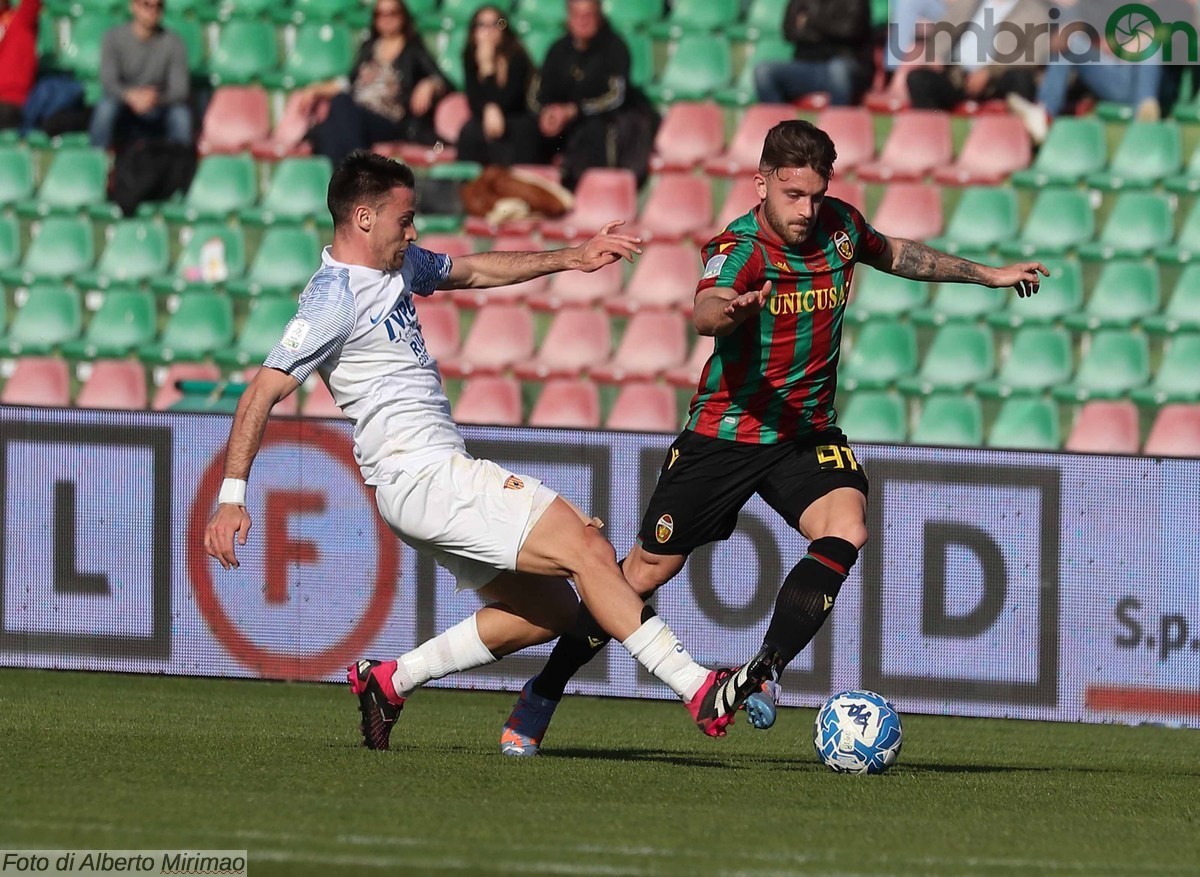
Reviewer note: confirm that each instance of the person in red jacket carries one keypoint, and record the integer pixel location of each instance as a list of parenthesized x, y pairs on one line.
[(18, 57)]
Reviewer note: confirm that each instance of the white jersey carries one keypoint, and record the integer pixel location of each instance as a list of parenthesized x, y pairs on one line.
[(359, 327)]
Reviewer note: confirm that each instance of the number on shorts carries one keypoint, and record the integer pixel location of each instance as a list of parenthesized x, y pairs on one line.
[(836, 457)]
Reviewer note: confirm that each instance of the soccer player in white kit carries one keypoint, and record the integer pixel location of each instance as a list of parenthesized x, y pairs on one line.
[(506, 536)]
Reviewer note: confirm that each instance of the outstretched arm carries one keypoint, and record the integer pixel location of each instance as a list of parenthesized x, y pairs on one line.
[(719, 310), (917, 261)]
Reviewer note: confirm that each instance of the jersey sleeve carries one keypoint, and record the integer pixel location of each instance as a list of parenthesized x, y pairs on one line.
[(323, 323), (428, 269), (731, 261)]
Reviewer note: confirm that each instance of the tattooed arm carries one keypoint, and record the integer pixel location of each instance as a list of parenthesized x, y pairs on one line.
[(916, 261)]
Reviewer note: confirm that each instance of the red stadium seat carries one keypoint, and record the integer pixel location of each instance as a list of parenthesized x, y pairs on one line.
[(289, 407), (644, 407), (168, 393), (237, 117), (910, 210), (1175, 433), (654, 341), (568, 288), (38, 380), (500, 337), (449, 116), (742, 198), (288, 136), (745, 149), (679, 206), (687, 376), (853, 134), (114, 383), (919, 142), (1105, 428), (578, 337), (493, 400), (477, 298), (664, 277), (318, 402), (690, 134), (603, 194), (453, 245), (568, 403), (996, 147), (439, 326), (851, 191)]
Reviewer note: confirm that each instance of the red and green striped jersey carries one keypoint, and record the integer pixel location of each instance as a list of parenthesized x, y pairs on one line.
[(774, 377)]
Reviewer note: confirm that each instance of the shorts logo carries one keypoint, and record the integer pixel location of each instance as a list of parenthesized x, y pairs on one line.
[(512, 482), (663, 529), (845, 247), (713, 267), (296, 332), (674, 457)]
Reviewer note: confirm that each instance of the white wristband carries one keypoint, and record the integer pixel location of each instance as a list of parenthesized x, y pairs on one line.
[(233, 490)]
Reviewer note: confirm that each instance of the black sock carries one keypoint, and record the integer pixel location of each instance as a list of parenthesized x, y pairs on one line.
[(806, 599), (571, 652)]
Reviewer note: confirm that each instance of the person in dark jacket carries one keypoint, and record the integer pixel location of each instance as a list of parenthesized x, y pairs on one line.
[(833, 53), (502, 129)]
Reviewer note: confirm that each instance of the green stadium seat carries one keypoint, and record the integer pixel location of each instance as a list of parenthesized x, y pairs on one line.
[(245, 53), (1188, 182), (191, 32), (641, 58), (538, 42), (985, 217), (1116, 363), (286, 259), (10, 242), (1026, 423), (80, 53), (629, 15), (873, 416), (1182, 313), (223, 185), (1187, 243), (540, 15), (454, 15), (16, 174), (321, 51), (1061, 220), (1140, 223), (879, 294), (449, 56), (202, 324), (959, 355), (1061, 294), (212, 253), (136, 251), (1178, 375), (1148, 153), (882, 353), (1074, 149), (696, 17), (296, 193), (1126, 291), (957, 302), (262, 330), (51, 316), (763, 18), (699, 65), (61, 247), (125, 321), (236, 10), (76, 179), (769, 47), (1040, 359), (949, 419), (347, 12)]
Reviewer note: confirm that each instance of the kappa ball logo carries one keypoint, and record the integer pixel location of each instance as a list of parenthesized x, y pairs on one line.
[(845, 248), (663, 529), (512, 482)]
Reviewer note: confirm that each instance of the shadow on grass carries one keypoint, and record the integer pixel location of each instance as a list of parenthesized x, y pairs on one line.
[(656, 755)]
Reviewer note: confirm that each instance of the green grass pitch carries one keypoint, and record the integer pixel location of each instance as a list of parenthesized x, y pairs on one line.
[(626, 788)]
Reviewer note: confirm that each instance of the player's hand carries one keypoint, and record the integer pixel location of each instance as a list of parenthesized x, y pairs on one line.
[(228, 520), (607, 247), (748, 303), (1024, 277)]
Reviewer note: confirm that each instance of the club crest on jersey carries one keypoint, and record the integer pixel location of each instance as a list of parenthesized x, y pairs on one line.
[(512, 482), (845, 246), (713, 267), (664, 528), (296, 332)]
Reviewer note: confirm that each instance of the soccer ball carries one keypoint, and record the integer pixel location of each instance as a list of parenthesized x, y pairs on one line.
[(857, 732)]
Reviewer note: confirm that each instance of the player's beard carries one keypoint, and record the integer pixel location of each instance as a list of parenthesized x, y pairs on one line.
[(792, 235), (394, 260)]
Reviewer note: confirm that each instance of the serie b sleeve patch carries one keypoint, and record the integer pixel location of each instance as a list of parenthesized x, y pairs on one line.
[(713, 266), (296, 333)]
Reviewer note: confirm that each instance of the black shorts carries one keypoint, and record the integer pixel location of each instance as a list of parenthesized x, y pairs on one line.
[(704, 482)]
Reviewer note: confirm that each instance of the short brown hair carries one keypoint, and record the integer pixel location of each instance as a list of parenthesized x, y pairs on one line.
[(797, 143), (365, 177)]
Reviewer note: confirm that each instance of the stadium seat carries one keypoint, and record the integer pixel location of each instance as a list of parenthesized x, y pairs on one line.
[(202, 325), (246, 52), (875, 416), (287, 137), (439, 326), (603, 195), (577, 338), (115, 384), (489, 400), (81, 50), (745, 148), (237, 117), (1188, 182), (1140, 223), (126, 320), (320, 51), (664, 277), (1182, 312), (743, 92), (453, 245), (567, 403), (919, 142), (260, 333), (212, 253), (500, 337), (1040, 359), (76, 179), (691, 133), (653, 342), (959, 355), (1126, 291), (352, 13), (16, 175), (1148, 153), (296, 193), (448, 53), (882, 353), (1026, 423), (136, 251), (538, 42), (1115, 363), (1178, 375), (168, 392), (1074, 149), (910, 210), (678, 206), (232, 10), (1061, 294), (10, 242), (192, 33), (510, 294), (629, 15), (1061, 220), (539, 15), (288, 407), (879, 294), (985, 218), (996, 147), (223, 185), (687, 376), (742, 198), (644, 407), (61, 247), (957, 302), (763, 18), (286, 260), (575, 288), (1186, 247), (1105, 428), (38, 380), (51, 316), (1175, 432), (853, 133), (641, 58), (949, 419), (318, 401), (696, 16), (852, 192)]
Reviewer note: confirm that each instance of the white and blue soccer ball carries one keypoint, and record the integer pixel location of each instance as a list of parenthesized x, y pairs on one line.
[(857, 732)]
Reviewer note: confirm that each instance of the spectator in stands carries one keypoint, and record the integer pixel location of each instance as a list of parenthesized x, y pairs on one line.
[(502, 129), (18, 57), (833, 53), (906, 40), (144, 73), (390, 93), (588, 110)]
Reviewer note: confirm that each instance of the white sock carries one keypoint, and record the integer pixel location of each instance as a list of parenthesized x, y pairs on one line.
[(453, 651), (658, 650)]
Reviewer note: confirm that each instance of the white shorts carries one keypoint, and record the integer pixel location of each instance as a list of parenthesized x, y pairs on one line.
[(472, 516)]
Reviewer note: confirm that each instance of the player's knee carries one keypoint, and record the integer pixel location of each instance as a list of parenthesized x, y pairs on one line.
[(855, 534), (646, 573), (594, 551)]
